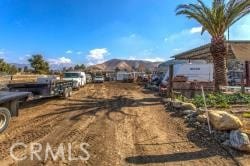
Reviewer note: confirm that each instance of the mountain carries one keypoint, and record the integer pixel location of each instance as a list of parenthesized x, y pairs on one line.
[(128, 65), (19, 65)]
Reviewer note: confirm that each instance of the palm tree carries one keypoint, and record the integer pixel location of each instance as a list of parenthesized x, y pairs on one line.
[(216, 20)]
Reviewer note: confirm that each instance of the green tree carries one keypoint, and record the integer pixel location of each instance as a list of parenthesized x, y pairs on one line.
[(12, 69), (4, 67), (7, 68), (39, 64), (216, 20), (81, 67)]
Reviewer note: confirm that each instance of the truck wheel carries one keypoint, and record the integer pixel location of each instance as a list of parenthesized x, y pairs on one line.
[(70, 92), (66, 93), (78, 88), (4, 118)]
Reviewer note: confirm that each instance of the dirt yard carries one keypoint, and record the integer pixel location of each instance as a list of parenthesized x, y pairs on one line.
[(122, 123)]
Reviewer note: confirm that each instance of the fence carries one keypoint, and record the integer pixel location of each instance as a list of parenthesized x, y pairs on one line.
[(235, 89)]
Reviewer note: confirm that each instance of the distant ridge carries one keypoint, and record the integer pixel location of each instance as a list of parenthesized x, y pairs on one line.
[(128, 65)]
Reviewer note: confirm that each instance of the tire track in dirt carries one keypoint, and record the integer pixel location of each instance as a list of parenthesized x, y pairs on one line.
[(35, 128), (67, 131), (157, 143), (122, 125)]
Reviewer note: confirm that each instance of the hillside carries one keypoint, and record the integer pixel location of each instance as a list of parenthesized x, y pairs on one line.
[(128, 65)]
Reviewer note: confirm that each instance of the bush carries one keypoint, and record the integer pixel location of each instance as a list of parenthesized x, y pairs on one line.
[(246, 115), (221, 100)]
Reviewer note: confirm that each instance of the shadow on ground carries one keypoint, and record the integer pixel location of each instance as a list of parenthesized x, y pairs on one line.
[(91, 106)]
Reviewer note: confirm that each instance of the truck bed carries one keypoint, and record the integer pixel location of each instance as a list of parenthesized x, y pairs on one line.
[(40, 90), (9, 96)]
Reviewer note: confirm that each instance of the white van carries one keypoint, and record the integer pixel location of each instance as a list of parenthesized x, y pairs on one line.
[(79, 78)]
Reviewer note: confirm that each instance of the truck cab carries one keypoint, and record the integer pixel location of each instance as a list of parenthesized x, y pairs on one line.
[(79, 78)]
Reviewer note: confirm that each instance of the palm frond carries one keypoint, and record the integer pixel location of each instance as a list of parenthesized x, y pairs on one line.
[(217, 19)]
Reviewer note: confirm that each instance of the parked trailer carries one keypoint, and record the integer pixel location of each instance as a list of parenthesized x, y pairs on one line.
[(45, 87), (9, 106), (193, 72)]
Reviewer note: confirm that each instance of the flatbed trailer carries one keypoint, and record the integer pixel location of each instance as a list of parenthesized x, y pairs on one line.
[(45, 89), (9, 106)]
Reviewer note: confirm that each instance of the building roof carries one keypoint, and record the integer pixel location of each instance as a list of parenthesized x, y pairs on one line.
[(237, 50)]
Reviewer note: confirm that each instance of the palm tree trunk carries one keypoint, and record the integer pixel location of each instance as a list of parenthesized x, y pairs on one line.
[(219, 52)]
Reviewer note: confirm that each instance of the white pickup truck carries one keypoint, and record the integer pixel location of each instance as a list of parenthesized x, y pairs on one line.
[(79, 78), (99, 79)]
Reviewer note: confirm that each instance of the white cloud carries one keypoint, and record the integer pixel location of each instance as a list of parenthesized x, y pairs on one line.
[(156, 59), (61, 60), (79, 52), (131, 58), (177, 49), (69, 52), (195, 30), (97, 55)]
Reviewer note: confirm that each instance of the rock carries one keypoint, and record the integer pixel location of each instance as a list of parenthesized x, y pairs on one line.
[(197, 124), (188, 106), (226, 143), (222, 120), (166, 100), (187, 112), (224, 137), (201, 118), (239, 140), (200, 111), (177, 104), (221, 136)]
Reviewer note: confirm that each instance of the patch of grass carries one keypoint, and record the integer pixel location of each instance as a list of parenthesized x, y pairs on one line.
[(246, 115)]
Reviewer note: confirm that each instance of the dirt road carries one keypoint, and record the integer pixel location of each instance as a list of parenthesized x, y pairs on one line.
[(122, 124)]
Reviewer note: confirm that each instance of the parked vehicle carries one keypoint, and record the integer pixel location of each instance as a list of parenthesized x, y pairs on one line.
[(89, 78), (9, 105), (99, 79), (122, 75), (79, 78), (45, 87)]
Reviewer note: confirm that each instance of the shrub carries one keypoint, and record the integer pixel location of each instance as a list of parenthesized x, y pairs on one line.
[(221, 100), (246, 115)]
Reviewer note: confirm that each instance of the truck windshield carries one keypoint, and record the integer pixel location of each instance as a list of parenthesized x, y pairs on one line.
[(71, 75)]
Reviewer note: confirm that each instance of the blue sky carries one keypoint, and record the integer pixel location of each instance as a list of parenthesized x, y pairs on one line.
[(92, 31)]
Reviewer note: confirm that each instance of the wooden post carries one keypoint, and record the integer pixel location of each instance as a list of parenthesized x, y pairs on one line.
[(242, 80), (171, 75), (247, 70)]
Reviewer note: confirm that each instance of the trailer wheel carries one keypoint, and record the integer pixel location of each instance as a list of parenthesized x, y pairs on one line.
[(66, 93), (4, 118)]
